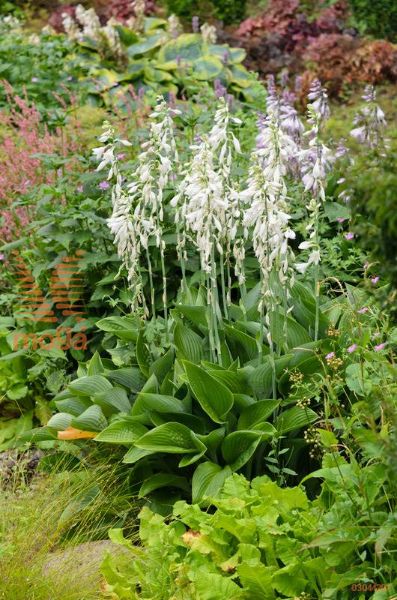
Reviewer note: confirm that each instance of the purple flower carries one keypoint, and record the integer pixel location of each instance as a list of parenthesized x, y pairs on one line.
[(363, 310), (330, 356), (319, 100), (341, 150), (379, 347), (2, 256), (34, 79), (374, 280), (220, 90), (104, 185), (341, 219), (352, 348), (120, 157), (349, 236)]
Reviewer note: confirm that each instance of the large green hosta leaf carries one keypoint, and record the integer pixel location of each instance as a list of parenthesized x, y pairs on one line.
[(173, 438), (188, 343), (90, 385), (113, 401), (160, 480), (207, 68), (187, 47), (129, 377), (239, 446), (146, 403), (295, 418), (214, 397), (257, 413), (125, 328), (207, 480), (91, 419), (122, 431)]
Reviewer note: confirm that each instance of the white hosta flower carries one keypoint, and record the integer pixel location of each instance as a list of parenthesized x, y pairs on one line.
[(266, 207), (71, 28), (208, 33), (89, 21), (174, 26), (370, 121), (202, 206)]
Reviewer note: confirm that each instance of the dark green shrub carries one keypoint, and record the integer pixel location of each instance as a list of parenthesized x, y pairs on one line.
[(228, 11), (377, 17)]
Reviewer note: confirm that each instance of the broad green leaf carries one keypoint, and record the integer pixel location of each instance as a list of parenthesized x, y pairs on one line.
[(146, 402), (214, 397), (123, 431), (162, 366), (208, 480), (172, 438), (90, 385), (188, 47), (257, 413), (95, 366), (125, 328), (197, 315), (146, 45), (142, 354), (91, 419), (129, 377), (256, 579), (260, 378), (287, 330), (245, 345), (235, 55), (60, 421), (72, 405), (160, 480), (135, 454), (295, 418), (113, 401), (188, 343), (239, 446), (240, 76), (207, 68), (233, 380)]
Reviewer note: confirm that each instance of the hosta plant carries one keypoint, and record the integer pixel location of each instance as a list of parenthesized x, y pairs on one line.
[(159, 58)]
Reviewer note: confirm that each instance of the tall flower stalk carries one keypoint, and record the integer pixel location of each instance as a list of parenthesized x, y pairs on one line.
[(224, 145), (370, 122), (124, 222), (316, 162), (138, 207), (201, 207), (267, 215), (148, 185)]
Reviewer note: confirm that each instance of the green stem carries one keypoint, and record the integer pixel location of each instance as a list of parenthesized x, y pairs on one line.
[(150, 271), (224, 297)]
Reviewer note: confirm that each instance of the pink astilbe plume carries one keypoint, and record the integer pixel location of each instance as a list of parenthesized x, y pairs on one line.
[(23, 136)]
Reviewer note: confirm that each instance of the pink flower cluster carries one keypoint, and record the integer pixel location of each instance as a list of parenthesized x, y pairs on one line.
[(23, 136)]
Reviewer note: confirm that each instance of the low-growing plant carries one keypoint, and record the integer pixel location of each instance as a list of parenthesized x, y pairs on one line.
[(159, 58), (263, 541)]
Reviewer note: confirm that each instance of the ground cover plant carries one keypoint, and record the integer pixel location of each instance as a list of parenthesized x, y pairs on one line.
[(197, 276)]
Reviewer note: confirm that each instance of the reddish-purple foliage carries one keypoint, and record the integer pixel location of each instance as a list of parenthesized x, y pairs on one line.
[(284, 38), (56, 17), (122, 10)]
